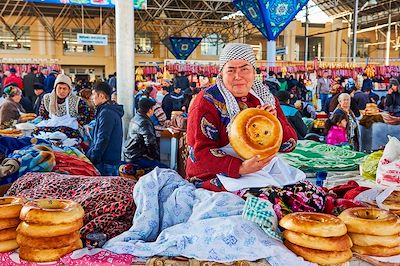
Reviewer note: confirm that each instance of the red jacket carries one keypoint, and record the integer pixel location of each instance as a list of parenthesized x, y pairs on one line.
[(207, 132), (14, 79)]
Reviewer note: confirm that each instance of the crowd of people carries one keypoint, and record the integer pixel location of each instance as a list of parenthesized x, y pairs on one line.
[(59, 102)]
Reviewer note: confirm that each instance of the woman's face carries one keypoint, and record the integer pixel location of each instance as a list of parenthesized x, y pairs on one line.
[(343, 123), (62, 90), (345, 103), (17, 98), (238, 77)]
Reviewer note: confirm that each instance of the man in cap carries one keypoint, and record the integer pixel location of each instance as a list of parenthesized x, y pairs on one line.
[(393, 98), (49, 81), (214, 109), (105, 149), (141, 147), (39, 92)]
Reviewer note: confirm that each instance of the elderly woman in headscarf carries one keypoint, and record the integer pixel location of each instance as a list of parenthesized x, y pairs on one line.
[(62, 108), (213, 110), (11, 108), (352, 125)]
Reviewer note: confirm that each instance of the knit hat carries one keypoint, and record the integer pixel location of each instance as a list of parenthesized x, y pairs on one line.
[(145, 104), (13, 70), (38, 86), (11, 90), (235, 51), (103, 87), (63, 79)]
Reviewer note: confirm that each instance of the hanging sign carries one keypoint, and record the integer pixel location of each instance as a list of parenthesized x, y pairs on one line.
[(137, 4), (282, 51), (92, 39)]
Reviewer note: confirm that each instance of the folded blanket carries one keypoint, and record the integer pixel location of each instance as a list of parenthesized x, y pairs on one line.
[(107, 201), (311, 156), (173, 218), (35, 158), (72, 165)]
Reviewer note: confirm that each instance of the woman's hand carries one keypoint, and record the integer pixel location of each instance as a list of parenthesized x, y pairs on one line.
[(253, 165), (268, 108)]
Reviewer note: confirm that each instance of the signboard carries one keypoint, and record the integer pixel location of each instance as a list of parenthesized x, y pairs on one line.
[(137, 4), (282, 50), (92, 39)]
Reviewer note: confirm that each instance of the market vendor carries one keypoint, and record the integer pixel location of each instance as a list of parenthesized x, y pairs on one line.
[(11, 108), (213, 110), (352, 125), (393, 98), (62, 108)]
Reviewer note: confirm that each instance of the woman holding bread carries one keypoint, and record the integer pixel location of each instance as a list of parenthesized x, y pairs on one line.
[(11, 109), (212, 112)]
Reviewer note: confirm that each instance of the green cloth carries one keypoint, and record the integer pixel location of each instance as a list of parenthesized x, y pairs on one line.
[(311, 156), (262, 213)]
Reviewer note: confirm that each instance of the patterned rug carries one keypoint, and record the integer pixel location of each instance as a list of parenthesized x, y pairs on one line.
[(311, 156)]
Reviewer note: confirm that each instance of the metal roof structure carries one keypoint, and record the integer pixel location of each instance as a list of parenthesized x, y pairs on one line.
[(193, 18)]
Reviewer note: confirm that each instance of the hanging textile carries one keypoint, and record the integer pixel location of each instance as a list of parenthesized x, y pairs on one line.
[(181, 47)]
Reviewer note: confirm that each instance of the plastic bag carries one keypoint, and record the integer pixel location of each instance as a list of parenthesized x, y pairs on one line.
[(388, 172), (370, 165)]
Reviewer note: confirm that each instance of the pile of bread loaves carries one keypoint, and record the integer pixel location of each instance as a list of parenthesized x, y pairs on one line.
[(49, 228), (326, 239)]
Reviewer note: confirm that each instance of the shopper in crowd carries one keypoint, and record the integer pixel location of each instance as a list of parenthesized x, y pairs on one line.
[(272, 78), (352, 126), (323, 88), (393, 98), (62, 108), (372, 97), (112, 81), (142, 93), (332, 101), (181, 81), (86, 95), (106, 147), (214, 108), (13, 78), (42, 75), (188, 94), (306, 109), (28, 81), (141, 146), (292, 114), (38, 89), (173, 102), (336, 127), (114, 97), (382, 103), (360, 99), (2, 77), (350, 86), (159, 118), (49, 81), (11, 109), (283, 84), (367, 82)]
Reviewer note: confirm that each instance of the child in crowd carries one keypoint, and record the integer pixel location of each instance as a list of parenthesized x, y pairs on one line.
[(336, 127)]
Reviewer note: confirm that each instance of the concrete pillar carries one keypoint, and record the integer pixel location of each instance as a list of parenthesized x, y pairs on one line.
[(387, 54), (124, 24), (271, 53)]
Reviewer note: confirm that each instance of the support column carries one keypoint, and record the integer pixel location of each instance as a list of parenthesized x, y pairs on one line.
[(271, 53), (124, 24), (306, 38), (355, 26), (387, 56)]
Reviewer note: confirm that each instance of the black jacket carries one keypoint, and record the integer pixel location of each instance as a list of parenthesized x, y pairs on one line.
[(28, 80), (107, 135), (37, 103), (294, 118), (393, 103), (141, 141)]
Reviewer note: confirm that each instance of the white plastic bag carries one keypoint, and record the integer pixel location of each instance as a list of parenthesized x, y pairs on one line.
[(388, 172)]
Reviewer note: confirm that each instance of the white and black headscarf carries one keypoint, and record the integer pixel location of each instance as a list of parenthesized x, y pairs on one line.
[(235, 51)]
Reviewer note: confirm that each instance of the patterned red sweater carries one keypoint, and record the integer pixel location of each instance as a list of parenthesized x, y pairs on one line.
[(207, 133)]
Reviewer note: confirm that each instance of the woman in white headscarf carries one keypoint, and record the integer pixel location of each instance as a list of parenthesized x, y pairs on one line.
[(62, 108), (213, 110)]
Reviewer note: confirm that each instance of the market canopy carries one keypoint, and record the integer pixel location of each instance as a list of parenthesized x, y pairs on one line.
[(181, 47), (270, 17)]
